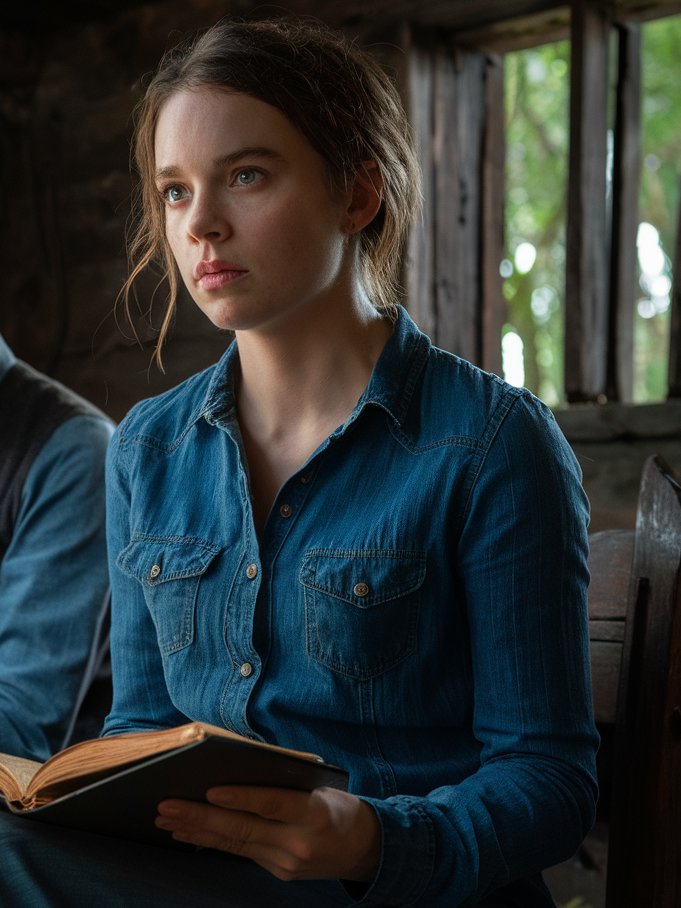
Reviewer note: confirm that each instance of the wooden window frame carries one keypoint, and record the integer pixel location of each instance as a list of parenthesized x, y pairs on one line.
[(460, 304)]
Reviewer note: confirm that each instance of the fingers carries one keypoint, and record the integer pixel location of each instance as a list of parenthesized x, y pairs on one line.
[(270, 843), (210, 826), (279, 804), (295, 835), (240, 818)]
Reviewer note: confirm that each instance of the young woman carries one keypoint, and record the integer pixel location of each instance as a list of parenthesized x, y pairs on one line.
[(339, 539)]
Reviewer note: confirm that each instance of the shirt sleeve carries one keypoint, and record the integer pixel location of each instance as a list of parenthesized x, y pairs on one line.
[(53, 588), (521, 564), (141, 700)]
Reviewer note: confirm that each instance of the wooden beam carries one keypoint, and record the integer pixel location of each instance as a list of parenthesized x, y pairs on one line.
[(587, 272), (492, 227), (518, 33), (462, 15), (623, 11), (421, 248), (455, 324), (625, 190), (459, 127), (353, 15), (446, 100), (674, 380)]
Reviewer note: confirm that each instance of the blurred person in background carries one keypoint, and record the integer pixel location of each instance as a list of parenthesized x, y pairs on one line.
[(54, 584)]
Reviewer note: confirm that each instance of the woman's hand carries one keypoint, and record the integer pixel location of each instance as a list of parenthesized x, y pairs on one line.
[(296, 835)]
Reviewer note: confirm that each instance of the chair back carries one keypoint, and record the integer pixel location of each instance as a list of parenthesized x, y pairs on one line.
[(644, 851)]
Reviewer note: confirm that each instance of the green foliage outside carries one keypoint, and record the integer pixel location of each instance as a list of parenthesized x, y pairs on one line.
[(537, 120), (659, 197), (537, 97)]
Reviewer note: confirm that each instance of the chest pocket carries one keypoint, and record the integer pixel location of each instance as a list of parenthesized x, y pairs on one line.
[(170, 570), (361, 608)]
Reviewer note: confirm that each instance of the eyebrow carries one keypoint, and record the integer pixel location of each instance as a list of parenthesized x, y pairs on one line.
[(227, 160)]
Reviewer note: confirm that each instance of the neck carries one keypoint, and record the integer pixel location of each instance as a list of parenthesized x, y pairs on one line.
[(297, 385), (309, 373)]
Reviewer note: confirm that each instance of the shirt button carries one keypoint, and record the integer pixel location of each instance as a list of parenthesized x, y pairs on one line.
[(285, 510), (155, 571), (246, 669), (251, 571), (306, 478), (360, 589)]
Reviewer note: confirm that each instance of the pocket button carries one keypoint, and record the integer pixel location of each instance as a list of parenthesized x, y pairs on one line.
[(360, 589)]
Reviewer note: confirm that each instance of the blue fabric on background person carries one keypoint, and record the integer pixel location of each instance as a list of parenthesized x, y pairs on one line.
[(53, 579), (415, 611)]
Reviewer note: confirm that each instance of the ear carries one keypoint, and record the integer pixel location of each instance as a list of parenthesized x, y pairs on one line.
[(366, 195)]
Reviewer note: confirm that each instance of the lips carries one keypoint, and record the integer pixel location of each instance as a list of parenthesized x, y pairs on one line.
[(217, 273)]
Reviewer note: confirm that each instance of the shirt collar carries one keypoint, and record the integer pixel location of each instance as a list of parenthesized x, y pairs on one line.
[(395, 374), (7, 358), (390, 387)]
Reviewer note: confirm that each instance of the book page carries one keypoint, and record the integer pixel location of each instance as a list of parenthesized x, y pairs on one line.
[(88, 762), (15, 775)]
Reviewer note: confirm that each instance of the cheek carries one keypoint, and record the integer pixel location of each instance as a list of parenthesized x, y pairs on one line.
[(173, 235), (301, 233)]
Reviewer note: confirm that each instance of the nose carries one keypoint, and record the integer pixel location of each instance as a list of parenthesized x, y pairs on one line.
[(207, 219)]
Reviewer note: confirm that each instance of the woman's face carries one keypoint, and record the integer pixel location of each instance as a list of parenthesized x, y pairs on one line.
[(256, 235)]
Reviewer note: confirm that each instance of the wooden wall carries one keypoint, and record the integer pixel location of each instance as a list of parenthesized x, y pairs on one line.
[(66, 102)]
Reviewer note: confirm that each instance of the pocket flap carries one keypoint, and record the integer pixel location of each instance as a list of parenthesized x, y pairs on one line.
[(363, 577), (157, 559)]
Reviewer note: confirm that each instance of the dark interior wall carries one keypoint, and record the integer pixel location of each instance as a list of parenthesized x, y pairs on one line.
[(66, 102)]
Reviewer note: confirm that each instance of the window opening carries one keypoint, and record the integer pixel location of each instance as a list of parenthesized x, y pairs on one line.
[(658, 204), (537, 84)]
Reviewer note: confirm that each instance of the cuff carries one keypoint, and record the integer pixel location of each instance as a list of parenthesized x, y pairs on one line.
[(407, 855)]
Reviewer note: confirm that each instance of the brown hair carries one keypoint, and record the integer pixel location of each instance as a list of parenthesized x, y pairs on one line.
[(334, 93)]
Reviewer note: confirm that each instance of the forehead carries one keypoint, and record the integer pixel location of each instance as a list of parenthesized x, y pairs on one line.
[(215, 123)]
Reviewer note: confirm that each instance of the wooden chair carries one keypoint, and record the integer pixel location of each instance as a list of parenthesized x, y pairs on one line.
[(644, 850)]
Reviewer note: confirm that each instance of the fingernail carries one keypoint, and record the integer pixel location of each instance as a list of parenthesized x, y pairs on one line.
[(168, 810), (220, 796)]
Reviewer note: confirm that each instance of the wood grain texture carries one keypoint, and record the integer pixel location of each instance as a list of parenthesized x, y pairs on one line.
[(675, 321), (447, 108), (459, 128), (587, 277), (421, 247), (605, 671), (644, 862), (492, 228), (610, 557), (625, 191)]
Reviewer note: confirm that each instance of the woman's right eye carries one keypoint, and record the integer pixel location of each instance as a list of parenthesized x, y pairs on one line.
[(174, 193)]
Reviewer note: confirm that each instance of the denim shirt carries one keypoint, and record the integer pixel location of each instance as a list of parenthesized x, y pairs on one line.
[(414, 611)]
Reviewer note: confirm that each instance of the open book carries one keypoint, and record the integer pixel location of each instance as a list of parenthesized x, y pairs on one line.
[(113, 785)]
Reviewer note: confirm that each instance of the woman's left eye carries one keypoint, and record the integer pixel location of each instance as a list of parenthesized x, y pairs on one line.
[(247, 177)]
